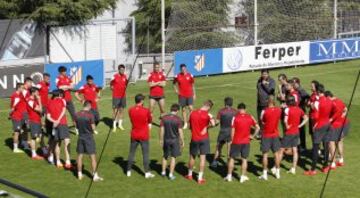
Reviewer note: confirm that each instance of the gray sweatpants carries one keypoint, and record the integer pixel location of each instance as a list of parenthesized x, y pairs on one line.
[(145, 153)]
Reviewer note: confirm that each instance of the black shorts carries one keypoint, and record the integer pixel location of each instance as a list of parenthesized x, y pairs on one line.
[(171, 148), (25, 120), (224, 136), (17, 125), (35, 129), (186, 101), (44, 111), (321, 134), (270, 143), (237, 150), (290, 141), (157, 98), (335, 134), (61, 132), (86, 146), (346, 130), (119, 103), (48, 128), (96, 115), (71, 108), (202, 147)]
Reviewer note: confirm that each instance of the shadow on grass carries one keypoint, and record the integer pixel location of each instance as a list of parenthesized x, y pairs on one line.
[(107, 121), (155, 166), (123, 165)]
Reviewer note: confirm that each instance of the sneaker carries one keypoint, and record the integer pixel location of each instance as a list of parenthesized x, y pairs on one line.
[(310, 173), (263, 177), (96, 178), (273, 170), (128, 173), (172, 177), (214, 164), (59, 165), (228, 179), (185, 125), (277, 174), (80, 176), (121, 128), (189, 177), (291, 171), (243, 179), (340, 164), (149, 175), (163, 174), (17, 150), (68, 166), (114, 130), (95, 132), (201, 181), (37, 157), (333, 166), (325, 169)]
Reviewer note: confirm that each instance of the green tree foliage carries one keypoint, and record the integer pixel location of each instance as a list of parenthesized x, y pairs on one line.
[(54, 12)]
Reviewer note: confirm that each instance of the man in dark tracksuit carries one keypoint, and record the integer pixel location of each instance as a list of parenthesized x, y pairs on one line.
[(265, 87), (304, 97)]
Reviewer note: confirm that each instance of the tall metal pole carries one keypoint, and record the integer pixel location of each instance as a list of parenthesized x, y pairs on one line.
[(163, 34), (335, 18), (133, 33), (255, 23)]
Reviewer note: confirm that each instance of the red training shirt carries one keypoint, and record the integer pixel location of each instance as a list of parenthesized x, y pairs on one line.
[(34, 116), (337, 111), (90, 93), (140, 118), (119, 84), (293, 115), (271, 117), (55, 107), (15, 99), (199, 120), (185, 83), (44, 92), (296, 95), (64, 81), (242, 124), (324, 107), (155, 77)]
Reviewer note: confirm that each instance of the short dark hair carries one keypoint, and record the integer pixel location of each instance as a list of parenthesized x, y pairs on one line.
[(174, 107), (89, 77), (182, 65), (265, 71), (320, 88), (156, 63), (316, 83), (46, 74), (87, 103), (33, 90), (290, 100), (139, 98), (57, 93), (296, 80), (241, 106), (209, 103), (62, 69), (28, 79), (228, 101), (328, 94), (18, 85), (121, 66), (282, 76)]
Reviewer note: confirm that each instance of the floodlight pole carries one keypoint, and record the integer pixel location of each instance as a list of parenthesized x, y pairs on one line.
[(163, 34), (255, 23), (335, 18)]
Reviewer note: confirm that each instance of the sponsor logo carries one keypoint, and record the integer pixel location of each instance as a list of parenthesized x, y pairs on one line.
[(234, 60), (76, 74), (199, 62), (337, 49)]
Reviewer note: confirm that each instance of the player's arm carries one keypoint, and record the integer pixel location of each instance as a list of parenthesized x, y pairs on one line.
[(78, 97), (181, 133), (305, 120), (268, 87), (161, 136), (194, 91), (257, 130), (232, 134), (62, 114), (149, 119), (345, 111), (262, 117), (55, 122), (162, 83), (175, 86), (212, 121)]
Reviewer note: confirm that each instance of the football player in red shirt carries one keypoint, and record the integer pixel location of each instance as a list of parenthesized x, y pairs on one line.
[(340, 126), (321, 130), (56, 115), (65, 83), (240, 141), (157, 82), (185, 91), (281, 96), (24, 137), (34, 109), (291, 91), (199, 121), (270, 138), (141, 120), (16, 116), (118, 86), (313, 98), (292, 120), (90, 92)]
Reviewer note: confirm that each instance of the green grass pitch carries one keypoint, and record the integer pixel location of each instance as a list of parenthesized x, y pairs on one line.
[(44, 178)]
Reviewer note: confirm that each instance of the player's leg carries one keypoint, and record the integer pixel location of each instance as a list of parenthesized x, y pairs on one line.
[(172, 168), (67, 153), (295, 160), (152, 103), (162, 106), (79, 165), (245, 151), (264, 165), (201, 169), (276, 150), (71, 109), (146, 161), (57, 154), (35, 133), (332, 154), (230, 169), (16, 135), (132, 150), (121, 113), (340, 146), (96, 176), (217, 153), (184, 115)]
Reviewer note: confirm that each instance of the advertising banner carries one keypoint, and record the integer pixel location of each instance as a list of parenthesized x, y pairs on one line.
[(9, 76), (331, 50), (200, 62), (78, 71)]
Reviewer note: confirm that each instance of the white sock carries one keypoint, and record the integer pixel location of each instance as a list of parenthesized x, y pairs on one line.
[(95, 174), (16, 146), (341, 160), (114, 124), (201, 174), (229, 176), (163, 172), (33, 152), (190, 172), (333, 164), (265, 172), (79, 173), (58, 161), (120, 122), (67, 162), (171, 175)]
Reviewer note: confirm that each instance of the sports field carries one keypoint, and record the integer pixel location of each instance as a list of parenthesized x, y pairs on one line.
[(47, 179)]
